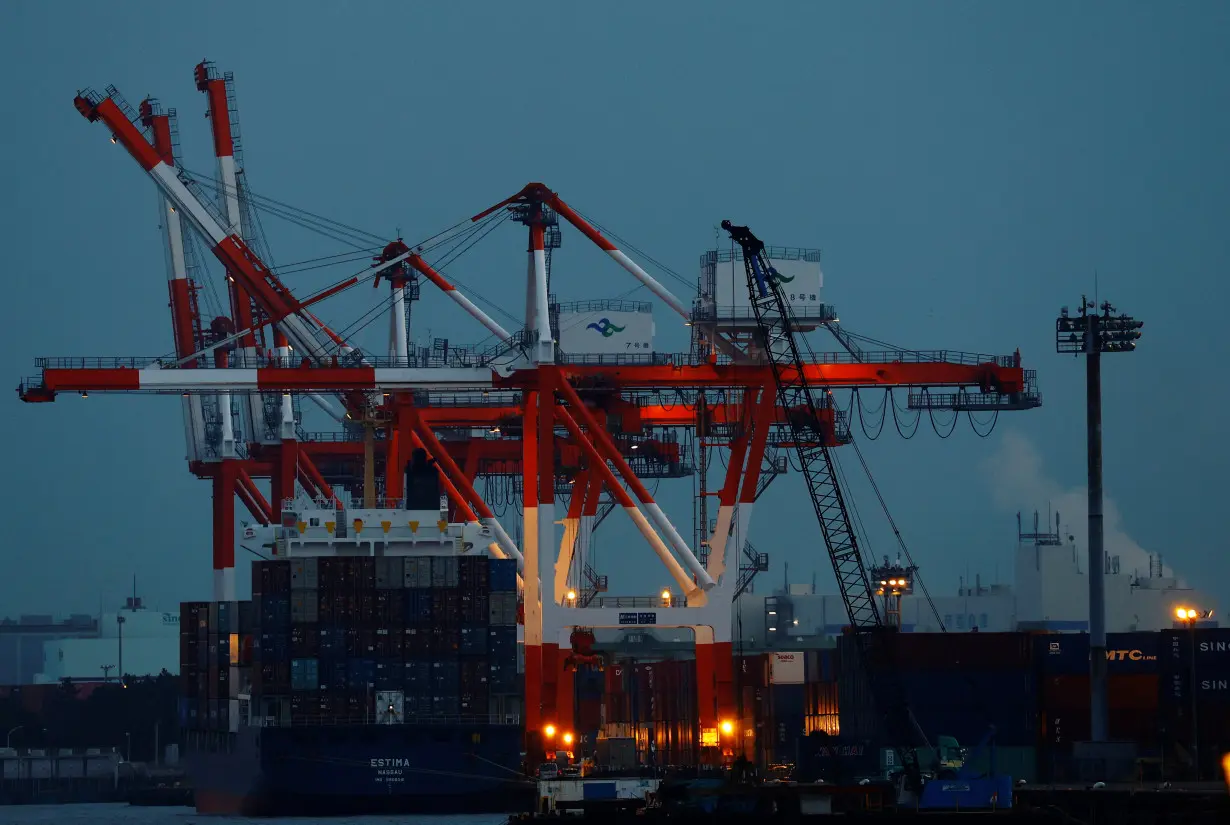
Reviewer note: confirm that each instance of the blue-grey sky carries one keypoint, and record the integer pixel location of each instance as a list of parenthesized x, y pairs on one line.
[(966, 168)]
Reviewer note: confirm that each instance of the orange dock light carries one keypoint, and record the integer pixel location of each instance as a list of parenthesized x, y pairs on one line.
[(728, 727), (567, 738), (549, 730)]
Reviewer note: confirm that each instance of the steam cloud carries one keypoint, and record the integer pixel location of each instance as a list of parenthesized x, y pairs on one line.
[(1018, 482)]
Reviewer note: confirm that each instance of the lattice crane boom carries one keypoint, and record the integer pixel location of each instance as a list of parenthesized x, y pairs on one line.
[(796, 394)]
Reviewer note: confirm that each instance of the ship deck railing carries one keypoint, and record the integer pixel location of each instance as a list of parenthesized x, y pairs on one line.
[(336, 720)]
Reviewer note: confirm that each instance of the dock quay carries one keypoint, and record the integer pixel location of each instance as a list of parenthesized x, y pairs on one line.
[(639, 801)]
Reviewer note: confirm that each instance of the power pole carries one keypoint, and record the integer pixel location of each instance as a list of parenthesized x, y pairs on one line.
[(1091, 334)]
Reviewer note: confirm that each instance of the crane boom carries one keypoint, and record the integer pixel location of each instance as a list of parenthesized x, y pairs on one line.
[(797, 396)]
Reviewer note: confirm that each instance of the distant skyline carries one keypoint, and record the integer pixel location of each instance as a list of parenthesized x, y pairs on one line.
[(966, 168)]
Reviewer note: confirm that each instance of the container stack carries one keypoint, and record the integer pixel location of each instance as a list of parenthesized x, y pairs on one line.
[(957, 685), (214, 658), (387, 640), (193, 665), (652, 703), (1194, 712)]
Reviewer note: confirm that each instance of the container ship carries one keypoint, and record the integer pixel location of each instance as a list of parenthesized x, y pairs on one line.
[(371, 673)]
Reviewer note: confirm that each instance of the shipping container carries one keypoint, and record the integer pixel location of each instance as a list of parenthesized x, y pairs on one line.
[(502, 609), (1135, 692), (473, 573), (390, 573), (474, 640), (418, 605), (304, 574), (961, 704), (789, 703), (954, 651), (837, 759), (304, 674), (502, 575), (1068, 653), (444, 571), (303, 607), (787, 668), (820, 666)]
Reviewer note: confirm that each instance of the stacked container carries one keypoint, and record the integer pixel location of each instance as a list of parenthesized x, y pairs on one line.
[(193, 665), (650, 703), (214, 655), (1194, 710), (956, 684), (387, 639)]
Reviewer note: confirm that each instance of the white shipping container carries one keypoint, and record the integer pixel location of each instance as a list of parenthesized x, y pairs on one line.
[(390, 573), (390, 707), (304, 574), (12, 767), (787, 669), (418, 571), (39, 768), (591, 329)]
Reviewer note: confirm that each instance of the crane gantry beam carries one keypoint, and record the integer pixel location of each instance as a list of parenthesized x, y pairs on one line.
[(134, 375)]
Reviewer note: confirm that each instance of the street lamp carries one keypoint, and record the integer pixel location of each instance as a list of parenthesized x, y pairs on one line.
[(1091, 334), (119, 626), (8, 740), (1189, 616)]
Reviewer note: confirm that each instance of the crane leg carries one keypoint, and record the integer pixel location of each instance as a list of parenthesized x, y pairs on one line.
[(224, 530)]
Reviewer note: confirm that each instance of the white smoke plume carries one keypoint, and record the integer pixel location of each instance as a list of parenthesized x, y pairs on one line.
[(1019, 483)]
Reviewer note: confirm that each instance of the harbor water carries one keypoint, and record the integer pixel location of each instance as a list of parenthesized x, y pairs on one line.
[(124, 814)]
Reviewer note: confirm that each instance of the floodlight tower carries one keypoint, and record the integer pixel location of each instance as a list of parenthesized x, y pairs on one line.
[(1092, 334), (892, 582)]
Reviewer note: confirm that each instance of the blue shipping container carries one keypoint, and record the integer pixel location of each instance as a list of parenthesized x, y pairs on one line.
[(1064, 654), (304, 674), (502, 575)]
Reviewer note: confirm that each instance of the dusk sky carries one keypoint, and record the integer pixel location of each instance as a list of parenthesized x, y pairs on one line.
[(967, 169)]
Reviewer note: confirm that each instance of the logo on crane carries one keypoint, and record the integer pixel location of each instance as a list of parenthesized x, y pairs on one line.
[(606, 328), (778, 278)]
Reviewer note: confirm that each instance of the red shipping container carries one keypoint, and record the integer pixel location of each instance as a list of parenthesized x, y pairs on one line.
[(589, 715)]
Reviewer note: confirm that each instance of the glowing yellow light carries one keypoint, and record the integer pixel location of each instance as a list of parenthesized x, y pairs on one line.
[(572, 595), (549, 730), (567, 738), (666, 595), (728, 727)]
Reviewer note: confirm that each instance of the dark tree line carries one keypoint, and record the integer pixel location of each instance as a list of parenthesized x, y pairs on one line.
[(114, 715)]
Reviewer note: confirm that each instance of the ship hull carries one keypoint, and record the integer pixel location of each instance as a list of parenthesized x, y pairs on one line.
[(351, 770)]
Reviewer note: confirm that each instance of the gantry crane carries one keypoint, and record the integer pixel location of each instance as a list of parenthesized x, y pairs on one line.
[(803, 402), (560, 426)]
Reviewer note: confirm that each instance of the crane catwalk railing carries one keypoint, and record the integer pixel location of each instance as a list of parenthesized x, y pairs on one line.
[(681, 359)]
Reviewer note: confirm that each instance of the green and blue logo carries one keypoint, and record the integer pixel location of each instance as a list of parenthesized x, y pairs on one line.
[(777, 277), (605, 327)]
